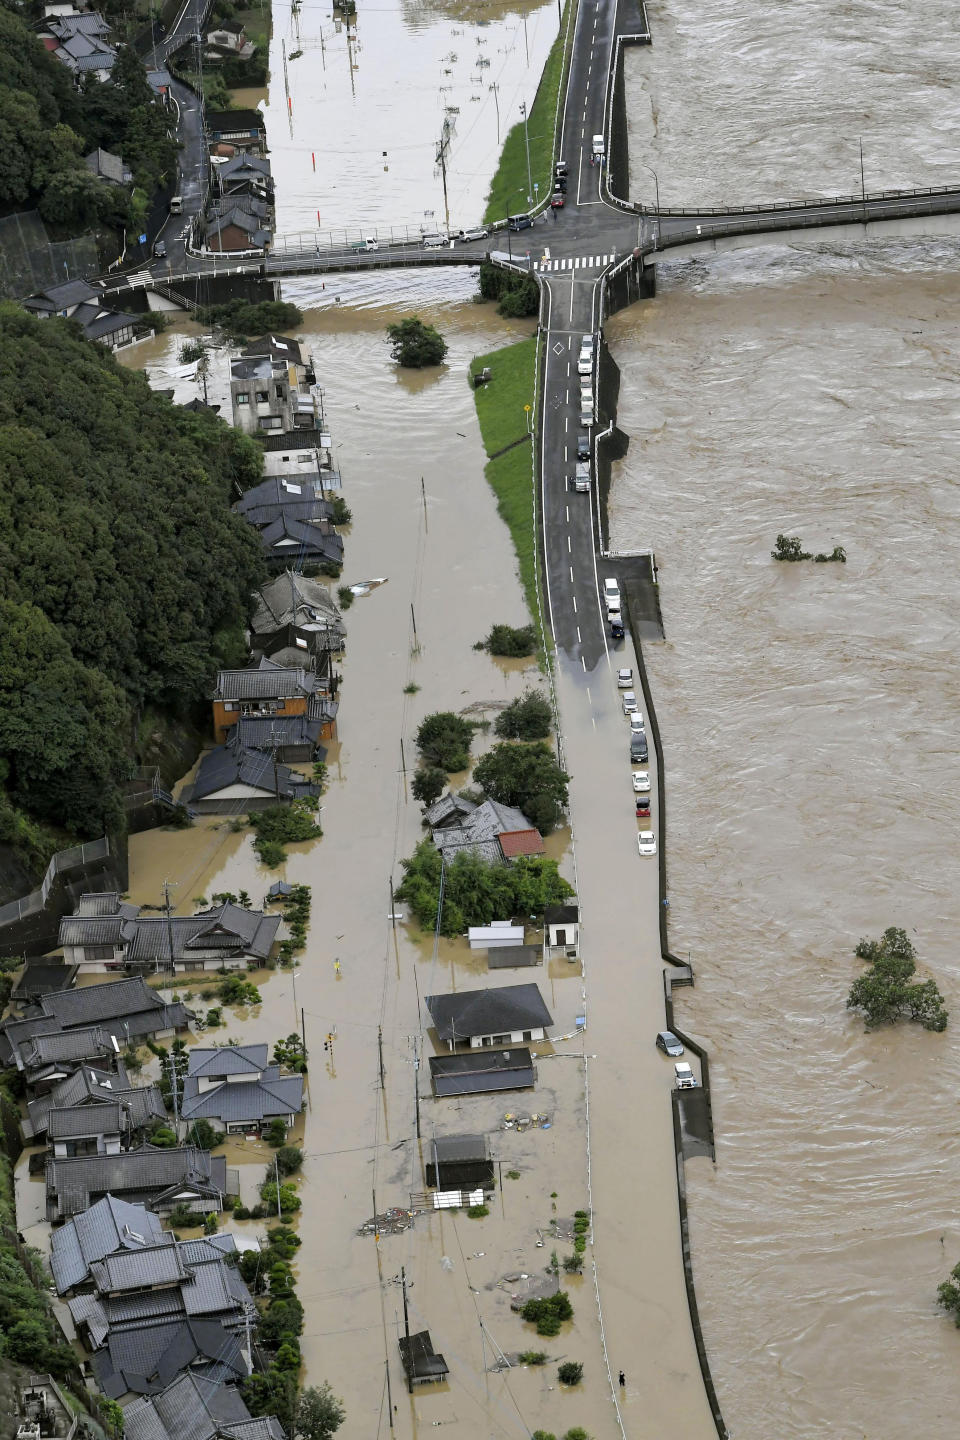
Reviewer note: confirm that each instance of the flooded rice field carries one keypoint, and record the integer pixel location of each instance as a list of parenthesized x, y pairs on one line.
[(737, 104), (355, 123), (814, 797)]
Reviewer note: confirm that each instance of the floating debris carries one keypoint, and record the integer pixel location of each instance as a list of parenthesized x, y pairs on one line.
[(392, 1222)]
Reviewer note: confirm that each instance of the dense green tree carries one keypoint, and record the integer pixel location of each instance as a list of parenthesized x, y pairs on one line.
[(886, 991), (428, 784), (444, 740), (528, 718), (527, 776), (476, 891), (273, 1393), (415, 345), (319, 1413), (506, 640)]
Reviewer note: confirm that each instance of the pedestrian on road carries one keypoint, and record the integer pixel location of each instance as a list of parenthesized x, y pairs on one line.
[(623, 1380)]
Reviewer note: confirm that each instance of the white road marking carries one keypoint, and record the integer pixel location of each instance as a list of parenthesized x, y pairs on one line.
[(584, 664), (571, 574), (567, 508), (574, 598), (569, 546), (578, 633)]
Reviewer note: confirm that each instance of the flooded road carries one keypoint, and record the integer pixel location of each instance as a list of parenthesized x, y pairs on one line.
[(354, 139), (738, 104), (814, 793)]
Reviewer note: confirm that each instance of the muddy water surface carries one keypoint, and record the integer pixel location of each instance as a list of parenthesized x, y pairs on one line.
[(814, 796)]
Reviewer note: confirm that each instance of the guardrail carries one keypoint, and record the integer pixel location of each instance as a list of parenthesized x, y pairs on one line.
[(774, 205), (943, 202)]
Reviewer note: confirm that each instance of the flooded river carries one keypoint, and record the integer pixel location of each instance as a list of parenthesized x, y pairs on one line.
[(807, 711)]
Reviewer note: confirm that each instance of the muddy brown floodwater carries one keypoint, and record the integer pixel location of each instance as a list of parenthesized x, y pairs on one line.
[(813, 781), (451, 560)]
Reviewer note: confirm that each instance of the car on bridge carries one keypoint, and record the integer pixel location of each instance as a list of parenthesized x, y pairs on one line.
[(479, 233), (647, 842), (434, 242), (519, 222)]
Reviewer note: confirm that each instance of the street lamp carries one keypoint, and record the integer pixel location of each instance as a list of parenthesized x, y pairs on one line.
[(656, 181), (526, 137)]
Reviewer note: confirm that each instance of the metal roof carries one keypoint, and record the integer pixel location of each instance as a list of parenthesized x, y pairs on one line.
[(562, 914), (228, 765), (448, 1149), (479, 1071), (76, 1122), (499, 1010)]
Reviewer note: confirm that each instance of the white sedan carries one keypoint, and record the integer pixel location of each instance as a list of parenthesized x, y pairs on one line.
[(625, 679), (629, 702), (641, 782), (647, 842)]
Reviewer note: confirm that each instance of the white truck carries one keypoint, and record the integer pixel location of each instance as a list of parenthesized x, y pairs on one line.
[(598, 147), (581, 478)]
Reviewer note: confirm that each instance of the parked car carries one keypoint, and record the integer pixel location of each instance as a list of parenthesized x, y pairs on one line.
[(369, 243), (639, 754), (647, 842), (160, 250), (480, 233), (629, 702), (429, 242), (519, 222), (616, 627), (598, 146), (615, 618), (586, 343), (557, 200), (561, 168), (668, 1043), (641, 781), (642, 804), (560, 183), (583, 447), (636, 722), (624, 679), (586, 395), (686, 1080), (586, 416), (585, 365), (581, 478), (611, 592)]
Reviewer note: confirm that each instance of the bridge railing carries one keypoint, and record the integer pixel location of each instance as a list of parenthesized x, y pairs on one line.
[(666, 212), (934, 203)]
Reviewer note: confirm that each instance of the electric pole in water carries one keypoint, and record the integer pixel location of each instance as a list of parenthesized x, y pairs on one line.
[(526, 139), (442, 147)]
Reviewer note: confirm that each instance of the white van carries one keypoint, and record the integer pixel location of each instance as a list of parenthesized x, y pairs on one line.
[(435, 242), (176, 205), (598, 146)]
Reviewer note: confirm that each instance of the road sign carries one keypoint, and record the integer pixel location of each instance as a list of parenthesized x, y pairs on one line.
[(143, 239)]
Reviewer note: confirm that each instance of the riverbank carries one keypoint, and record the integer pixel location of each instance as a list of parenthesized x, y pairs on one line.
[(509, 193), (505, 413)]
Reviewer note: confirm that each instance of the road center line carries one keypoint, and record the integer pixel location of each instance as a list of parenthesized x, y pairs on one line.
[(574, 599), (579, 637), (569, 546), (571, 574), (567, 508)]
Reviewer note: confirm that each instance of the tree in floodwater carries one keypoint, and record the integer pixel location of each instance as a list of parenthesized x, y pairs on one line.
[(790, 547), (948, 1295), (415, 345), (886, 991)]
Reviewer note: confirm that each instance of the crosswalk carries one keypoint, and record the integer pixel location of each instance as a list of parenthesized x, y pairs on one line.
[(575, 262)]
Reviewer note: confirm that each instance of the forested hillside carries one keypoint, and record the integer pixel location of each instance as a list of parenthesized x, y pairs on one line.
[(46, 128), (124, 575)]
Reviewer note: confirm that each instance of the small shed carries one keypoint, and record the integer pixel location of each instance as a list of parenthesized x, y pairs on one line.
[(480, 1072), (500, 932), (43, 977), (563, 925), (459, 1162), (279, 890), (514, 957), (423, 1366)]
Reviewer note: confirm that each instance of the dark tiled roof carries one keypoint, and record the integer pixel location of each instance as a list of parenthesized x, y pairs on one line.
[(88, 1086), (561, 914), (191, 1408), (109, 1225), (220, 122), (264, 681), (227, 765), (227, 928), (92, 1004), (220, 1061), (311, 540), (43, 977), (271, 1097), (253, 733), (160, 1264), (72, 1183), (65, 1046), (495, 1011), (146, 1358)]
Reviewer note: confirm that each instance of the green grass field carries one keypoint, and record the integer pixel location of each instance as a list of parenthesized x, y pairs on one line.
[(508, 189), (502, 421)]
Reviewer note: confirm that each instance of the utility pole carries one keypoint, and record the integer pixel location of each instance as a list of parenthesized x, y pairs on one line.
[(393, 913), (380, 1052), (416, 642), (496, 100), (863, 187), (416, 1080), (303, 1032), (442, 162), (389, 1393), (406, 1329), (526, 139), (166, 906), (276, 1171), (176, 1096)]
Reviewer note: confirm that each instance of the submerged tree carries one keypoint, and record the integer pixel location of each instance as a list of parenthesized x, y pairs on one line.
[(415, 345), (886, 991)]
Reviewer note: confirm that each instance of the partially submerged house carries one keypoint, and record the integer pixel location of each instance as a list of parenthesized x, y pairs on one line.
[(459, 1162), (421, 1363), (491, 831), (162, 1180), (230, 131), (232, 778), (225, 937), (87, 1129), (562, 926), (109, 1225), (234, 228), (293, 739), (76, 300), (265, 690), (42, 976), (500, 1015), (312, 545), (95, 1088), (145, 1359), (235, 1088), (268, 395), (295, 615), (479, 1072), (299, 495)]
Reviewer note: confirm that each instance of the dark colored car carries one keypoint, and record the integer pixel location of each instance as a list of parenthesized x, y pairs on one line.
[(160, 250), (583, 446), (616, 630), (643, 807), (668, 1043), (560, 183), (638, 748), (557, 201), (519, 222)]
